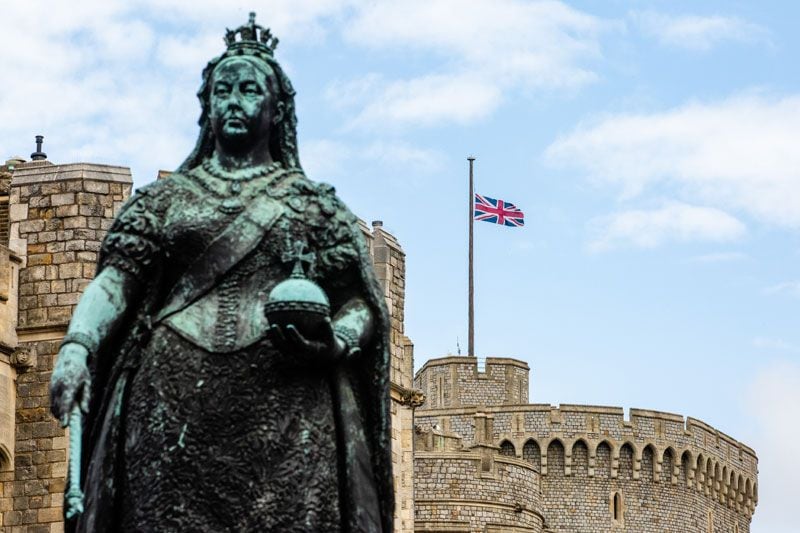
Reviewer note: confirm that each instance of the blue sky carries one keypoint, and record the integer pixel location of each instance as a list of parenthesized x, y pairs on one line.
[(652, 146)]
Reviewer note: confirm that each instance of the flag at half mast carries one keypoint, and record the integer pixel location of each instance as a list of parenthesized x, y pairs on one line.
[(497, 211)]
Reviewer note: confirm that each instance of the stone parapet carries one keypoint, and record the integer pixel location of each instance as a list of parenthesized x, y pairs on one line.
[(586, 454), (470, 491), (455, 381)]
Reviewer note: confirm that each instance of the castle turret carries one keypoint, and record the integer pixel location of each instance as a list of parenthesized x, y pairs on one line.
[(598, 471)]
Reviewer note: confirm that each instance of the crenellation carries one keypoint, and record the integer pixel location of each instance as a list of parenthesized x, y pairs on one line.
[(686, 465)]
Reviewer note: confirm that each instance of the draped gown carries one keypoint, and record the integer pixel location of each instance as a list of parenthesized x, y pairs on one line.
[(200, 424)]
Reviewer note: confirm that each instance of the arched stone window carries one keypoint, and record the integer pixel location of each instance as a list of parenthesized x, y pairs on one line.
[(506, 448), (626, 454), (580, 459), (555, 458), (603, 462), (533, 454)]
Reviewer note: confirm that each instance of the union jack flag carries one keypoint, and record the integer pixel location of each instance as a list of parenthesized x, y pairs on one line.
[(498, 212)]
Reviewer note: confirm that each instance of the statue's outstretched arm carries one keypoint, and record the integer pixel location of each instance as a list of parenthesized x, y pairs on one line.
[(99, 313)]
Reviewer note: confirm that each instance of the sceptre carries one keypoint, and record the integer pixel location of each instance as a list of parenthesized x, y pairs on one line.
[(74, 496)]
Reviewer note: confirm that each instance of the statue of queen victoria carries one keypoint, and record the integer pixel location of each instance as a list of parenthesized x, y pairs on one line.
[(202, 409)]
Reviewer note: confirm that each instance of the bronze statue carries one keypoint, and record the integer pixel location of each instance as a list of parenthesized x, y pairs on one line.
[(199, 412)]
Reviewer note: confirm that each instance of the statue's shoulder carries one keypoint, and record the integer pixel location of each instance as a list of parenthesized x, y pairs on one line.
[(315, 196)]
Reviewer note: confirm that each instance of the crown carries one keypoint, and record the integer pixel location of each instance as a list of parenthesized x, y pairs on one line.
[(251, 36)]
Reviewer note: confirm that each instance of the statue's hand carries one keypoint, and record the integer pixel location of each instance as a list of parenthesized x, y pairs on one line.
[(289, 341), (70, 383)]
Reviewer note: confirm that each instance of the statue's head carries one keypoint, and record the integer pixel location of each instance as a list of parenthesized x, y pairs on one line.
[(264, 103)]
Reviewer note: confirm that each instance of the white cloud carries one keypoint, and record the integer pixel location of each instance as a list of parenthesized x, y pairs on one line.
[(737, 154), (484, 49), (792, 288), (719, 257), (325, 158), (772, 400), (773, 345), (697, 32), (672, 222), (422, 101)]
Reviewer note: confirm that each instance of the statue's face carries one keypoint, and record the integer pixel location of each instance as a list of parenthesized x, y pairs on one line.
[(240, 105)]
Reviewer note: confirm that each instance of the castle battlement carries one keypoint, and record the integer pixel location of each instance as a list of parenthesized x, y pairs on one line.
[(680, 462)]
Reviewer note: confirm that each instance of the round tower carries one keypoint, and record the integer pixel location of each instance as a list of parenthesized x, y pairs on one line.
[(599, 471)]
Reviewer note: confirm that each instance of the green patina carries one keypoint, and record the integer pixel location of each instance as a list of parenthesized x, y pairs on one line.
[(235, 298)]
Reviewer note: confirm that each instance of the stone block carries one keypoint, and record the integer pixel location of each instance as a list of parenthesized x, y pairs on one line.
[(87, 199), (50, 514), (39, 259), (31, 226), (59, 314), (12, 518), (75, 221), (90, 257), (52, 187), (70, 270), (76, 245), (69, 298), (97, 187), (66, 198), (57, 286), (67, 210), (92, 210), (64, 257), (17, 212)]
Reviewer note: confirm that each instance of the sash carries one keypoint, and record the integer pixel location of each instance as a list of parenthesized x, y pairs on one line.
[(237, 240)]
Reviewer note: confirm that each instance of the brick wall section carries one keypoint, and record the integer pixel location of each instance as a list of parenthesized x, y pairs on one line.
[(59, 215), (40, 465)]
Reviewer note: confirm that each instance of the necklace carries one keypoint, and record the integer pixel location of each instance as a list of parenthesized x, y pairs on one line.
[(245, 174), (233, 203)]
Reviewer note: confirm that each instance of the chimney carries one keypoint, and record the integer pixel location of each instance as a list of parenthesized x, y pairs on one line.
[(38, 155)]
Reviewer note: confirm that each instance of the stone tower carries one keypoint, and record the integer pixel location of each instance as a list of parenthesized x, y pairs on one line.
[(57, 218), (571, 468)]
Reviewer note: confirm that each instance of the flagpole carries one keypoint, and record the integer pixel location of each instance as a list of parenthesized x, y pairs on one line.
[(471, 347)]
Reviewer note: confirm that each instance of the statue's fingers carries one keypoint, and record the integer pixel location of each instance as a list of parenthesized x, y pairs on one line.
[(298, 339), (86, 394), (277, 338), (59, 400)]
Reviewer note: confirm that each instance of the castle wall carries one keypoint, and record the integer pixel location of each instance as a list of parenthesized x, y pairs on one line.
[(58, 217), (389, 262), (475, 492), (671, 474)]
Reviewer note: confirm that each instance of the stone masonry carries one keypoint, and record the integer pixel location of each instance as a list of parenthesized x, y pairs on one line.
[(57, 217), (599, 472)]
